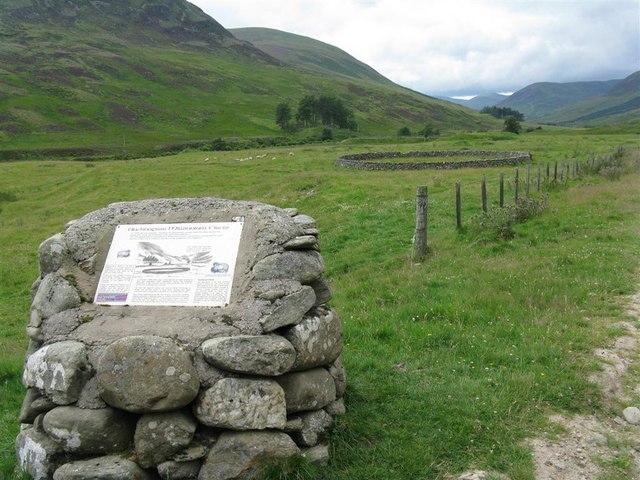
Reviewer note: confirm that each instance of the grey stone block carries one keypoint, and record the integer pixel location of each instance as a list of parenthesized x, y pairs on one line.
[(145, 374), (110, 467), (305, 266), (266, 355), (83, 432), (158, 436), (308, 390), (239, 455), (60, 370), (317, 339), (242, 404), (38, 454), (290, 310)]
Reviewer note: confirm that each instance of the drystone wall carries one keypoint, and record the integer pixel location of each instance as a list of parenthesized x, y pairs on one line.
[(147, 392), (477, 159)]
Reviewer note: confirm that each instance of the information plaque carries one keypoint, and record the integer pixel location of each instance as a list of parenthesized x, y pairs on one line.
[(181, 264)]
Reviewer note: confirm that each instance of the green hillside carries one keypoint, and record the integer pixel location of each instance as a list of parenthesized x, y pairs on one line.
[(130, 75), (307, 53), (581, 103)]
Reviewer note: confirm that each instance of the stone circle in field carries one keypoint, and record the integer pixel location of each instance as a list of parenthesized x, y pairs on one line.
[(476, 159)]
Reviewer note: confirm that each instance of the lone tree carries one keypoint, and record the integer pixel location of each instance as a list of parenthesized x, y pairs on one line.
[(430, 131), (283, 116), (511, 124)]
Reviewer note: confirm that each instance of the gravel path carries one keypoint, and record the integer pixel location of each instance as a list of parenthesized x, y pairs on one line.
[(590, 447)]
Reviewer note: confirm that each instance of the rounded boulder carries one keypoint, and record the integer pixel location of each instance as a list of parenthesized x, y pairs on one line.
[(145, 374), (267, 355)]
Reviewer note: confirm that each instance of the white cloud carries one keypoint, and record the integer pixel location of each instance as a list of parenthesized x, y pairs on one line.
[(461, 45)]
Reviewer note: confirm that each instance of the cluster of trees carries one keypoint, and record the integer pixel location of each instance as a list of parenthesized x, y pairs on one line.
[(312, 110), (426, 132), (512, 118), (330, 111), (503, 112)]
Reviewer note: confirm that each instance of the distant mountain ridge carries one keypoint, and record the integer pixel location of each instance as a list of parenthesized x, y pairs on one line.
[(586, 103), (480, 101), (579, 103)]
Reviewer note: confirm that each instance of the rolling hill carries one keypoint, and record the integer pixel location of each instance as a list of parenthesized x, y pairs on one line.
[(123, 75), (309, 54), (579, 103)]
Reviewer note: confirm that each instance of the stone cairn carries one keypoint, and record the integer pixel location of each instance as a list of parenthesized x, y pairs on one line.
[(136, 392)]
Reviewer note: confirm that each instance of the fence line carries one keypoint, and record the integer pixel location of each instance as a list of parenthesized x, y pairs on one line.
[(566, 172)]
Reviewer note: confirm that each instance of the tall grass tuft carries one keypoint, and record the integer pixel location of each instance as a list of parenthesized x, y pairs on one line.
[(292, 468), (8, 197), (498, 222), (612, 166)]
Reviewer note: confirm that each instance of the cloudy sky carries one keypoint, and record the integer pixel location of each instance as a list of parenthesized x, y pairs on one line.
[(461, 47)]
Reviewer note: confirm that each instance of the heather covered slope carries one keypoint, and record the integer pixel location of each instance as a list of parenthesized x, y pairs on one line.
[(127, 75)]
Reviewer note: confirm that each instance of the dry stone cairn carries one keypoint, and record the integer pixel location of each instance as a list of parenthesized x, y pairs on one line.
[(181, 392)]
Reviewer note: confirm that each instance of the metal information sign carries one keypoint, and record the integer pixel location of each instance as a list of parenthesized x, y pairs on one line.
[(181, 264)]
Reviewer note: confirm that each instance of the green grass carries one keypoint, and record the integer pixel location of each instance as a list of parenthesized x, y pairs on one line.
[(450, 363)]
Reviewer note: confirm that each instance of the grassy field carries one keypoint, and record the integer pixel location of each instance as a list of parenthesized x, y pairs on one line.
[(451, 363)]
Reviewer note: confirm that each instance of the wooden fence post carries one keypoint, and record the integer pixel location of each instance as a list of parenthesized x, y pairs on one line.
[(484, 194), (517, 184), (420, 238), (458, 207), (547, 179), (538, 183), (501, 190), (528, 177), (555, 171)]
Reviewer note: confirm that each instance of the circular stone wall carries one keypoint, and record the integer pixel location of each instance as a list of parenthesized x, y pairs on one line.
[(477, 159), (174, 392)]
